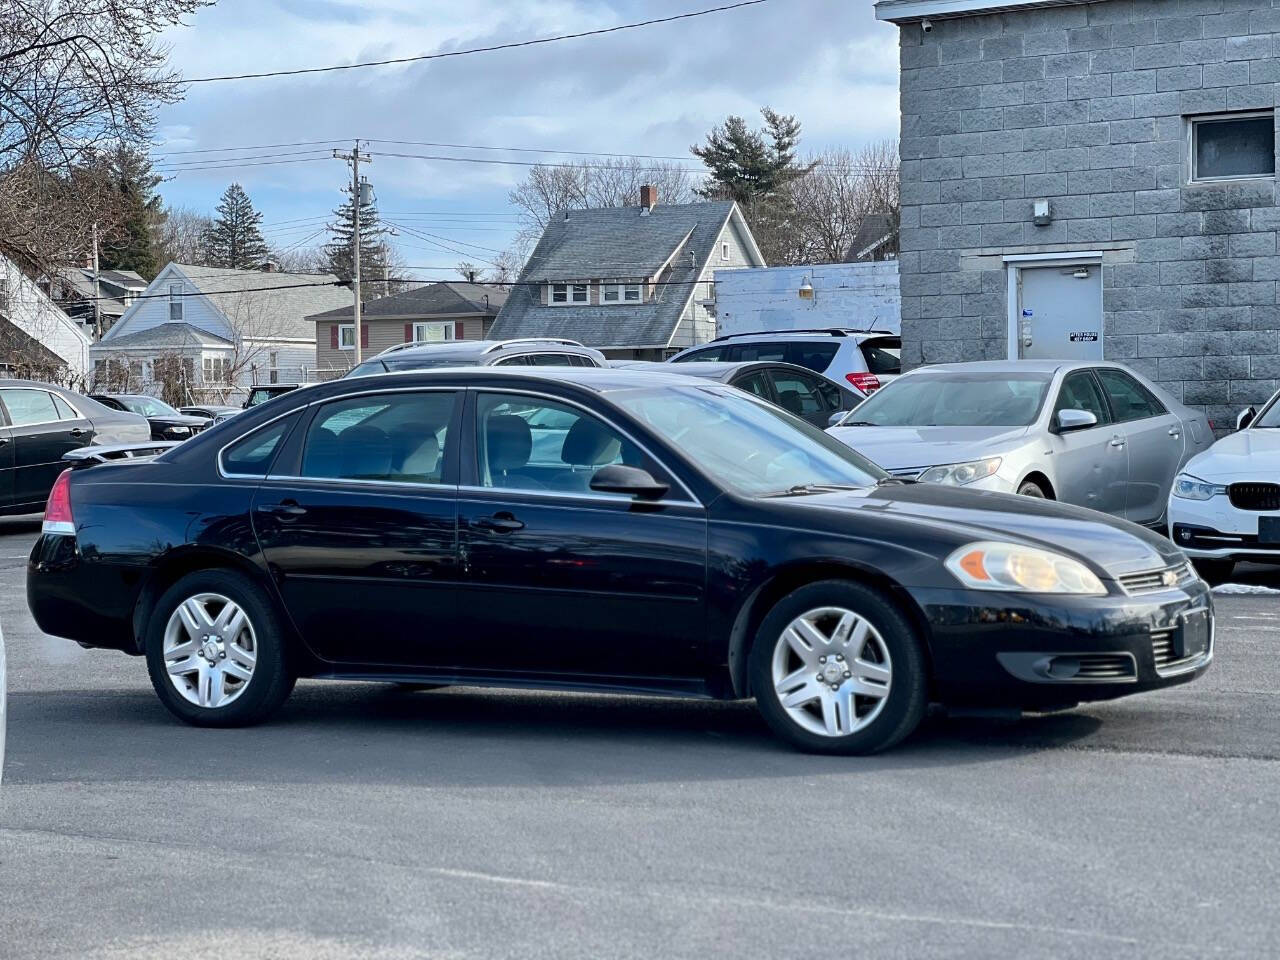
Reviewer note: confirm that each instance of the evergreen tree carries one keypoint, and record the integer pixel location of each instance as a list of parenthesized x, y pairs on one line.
[(339, 254), (235, 239), (129, 242)]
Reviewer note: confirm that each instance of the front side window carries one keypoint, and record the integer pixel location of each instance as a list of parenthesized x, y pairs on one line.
[(1129, 399), (956, 400), (28, 407), (526, 443), (1080, 392), (709, 355), (803, 395), (744, 444), (756, 384), (346, 336), (252, 455), (1233, 147), (398, 437)]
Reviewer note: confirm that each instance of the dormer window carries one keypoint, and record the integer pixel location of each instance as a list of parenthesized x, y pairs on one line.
[(175, 303), (563, 294), (614, 291)]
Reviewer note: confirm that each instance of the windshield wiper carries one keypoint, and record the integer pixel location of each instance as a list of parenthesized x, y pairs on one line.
[(894, 481), (804, 489), (855, 423)]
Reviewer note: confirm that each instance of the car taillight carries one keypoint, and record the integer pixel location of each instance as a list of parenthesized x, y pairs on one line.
[(866, 382), (57, 512)]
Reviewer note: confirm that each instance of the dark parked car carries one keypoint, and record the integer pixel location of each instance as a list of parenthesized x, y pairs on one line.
[(262, 392), (38, 424), (523, 352), (209, 411), (166, 422), (808, 395), (683, 538)]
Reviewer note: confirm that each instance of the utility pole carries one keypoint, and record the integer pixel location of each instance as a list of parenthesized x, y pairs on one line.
[(97, 289), (358, 190)]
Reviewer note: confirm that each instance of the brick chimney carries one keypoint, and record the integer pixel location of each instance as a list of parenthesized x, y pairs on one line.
[(269, 266), (648, 198)]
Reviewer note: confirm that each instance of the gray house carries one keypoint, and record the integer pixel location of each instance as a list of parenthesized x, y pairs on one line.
[(635, 282), (1087, 180)]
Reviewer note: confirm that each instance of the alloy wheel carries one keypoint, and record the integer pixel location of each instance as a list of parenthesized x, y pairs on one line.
[(831, 672), (210, 650)]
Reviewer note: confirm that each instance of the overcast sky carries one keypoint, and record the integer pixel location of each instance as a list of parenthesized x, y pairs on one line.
[(653, 90)]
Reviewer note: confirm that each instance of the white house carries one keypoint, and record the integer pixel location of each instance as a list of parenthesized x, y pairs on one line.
[(223, 329), (36, 337)]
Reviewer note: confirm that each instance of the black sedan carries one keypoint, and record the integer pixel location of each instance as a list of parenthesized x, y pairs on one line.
[(598, 530), (39, 423), (166, 422), (796, 389)]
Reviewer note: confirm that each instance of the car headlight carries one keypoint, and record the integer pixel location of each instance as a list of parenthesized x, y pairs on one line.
[(1187, 487), (177, 431), (958, 474), (1010, 567)]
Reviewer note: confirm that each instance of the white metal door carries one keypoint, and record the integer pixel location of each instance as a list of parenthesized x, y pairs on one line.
[(1060, 312)]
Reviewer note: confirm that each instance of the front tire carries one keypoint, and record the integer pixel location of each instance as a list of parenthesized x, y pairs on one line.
[(1030, 488), (216, 652), (1214, 572), (836, 668)]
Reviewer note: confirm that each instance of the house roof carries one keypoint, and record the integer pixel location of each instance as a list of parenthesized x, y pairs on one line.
[(432, 299), (616, 242), (168, 335), (901, 11), (875, 230)]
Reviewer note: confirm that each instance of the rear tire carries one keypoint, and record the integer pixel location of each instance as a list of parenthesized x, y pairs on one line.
[(216, 651), (1030, 488), (836, 668), (1214, 572)]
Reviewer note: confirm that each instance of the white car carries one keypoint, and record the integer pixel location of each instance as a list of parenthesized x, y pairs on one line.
[(1225, 504)]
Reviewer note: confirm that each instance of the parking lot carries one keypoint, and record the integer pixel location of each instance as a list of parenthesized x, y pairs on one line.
[(368, 822)]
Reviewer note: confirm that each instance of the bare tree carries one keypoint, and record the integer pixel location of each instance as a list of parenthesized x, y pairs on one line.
[(180, 237), (847, 190), (75, 78)]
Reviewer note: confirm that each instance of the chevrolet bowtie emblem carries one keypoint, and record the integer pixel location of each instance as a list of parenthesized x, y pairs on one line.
[(1170, 578)]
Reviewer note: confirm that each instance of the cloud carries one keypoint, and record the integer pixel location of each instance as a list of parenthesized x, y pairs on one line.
[(654, 90)]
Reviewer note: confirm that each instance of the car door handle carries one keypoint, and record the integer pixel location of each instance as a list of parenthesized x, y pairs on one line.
[(1117, 441), (1175, 432), (77, 432), (284, 509), (499, 523)]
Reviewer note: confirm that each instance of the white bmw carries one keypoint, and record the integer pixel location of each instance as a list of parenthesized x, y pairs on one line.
[(1225, 503)]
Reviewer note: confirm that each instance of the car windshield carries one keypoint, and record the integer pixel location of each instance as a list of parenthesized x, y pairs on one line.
[(955, 400), (148, 407), (748, 446), (1270, 419)]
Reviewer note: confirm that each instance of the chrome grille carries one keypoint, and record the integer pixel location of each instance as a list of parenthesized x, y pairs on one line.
[(1254, 496), (1153, 581), (1162, 649)]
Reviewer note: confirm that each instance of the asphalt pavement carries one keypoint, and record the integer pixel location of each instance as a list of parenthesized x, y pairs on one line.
[(465, 823)]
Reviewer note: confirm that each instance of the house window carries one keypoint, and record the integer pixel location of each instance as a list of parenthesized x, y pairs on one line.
[(175, 303), (566, 293), (4, 297), (724, 251), (346, 336), (433, 332), (1233, 146), (274, 368), (217, 370), (613, 291)]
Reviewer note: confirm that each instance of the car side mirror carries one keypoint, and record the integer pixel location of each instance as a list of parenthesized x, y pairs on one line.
[(631, 481), (1246, 417), (1069, 420), (836, 417)]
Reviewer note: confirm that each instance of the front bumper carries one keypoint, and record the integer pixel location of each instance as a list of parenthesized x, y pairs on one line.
[(1215, 530), (1012, 650)]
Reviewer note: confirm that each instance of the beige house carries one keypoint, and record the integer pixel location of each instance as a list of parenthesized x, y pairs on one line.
[(433, 312)]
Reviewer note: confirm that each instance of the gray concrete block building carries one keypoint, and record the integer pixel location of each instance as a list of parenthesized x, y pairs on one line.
[(1094, 179)]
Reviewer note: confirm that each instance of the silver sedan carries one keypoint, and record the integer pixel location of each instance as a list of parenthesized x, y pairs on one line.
[(1094, 434)]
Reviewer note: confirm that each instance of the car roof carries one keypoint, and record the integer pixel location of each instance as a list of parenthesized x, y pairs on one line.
[(1025, 366), (835, 333), (480, 348), (599, 379)]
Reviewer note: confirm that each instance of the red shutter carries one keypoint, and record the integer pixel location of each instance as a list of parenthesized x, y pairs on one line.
[(333, 337), (457, 330), (364, 335), (408, 333)]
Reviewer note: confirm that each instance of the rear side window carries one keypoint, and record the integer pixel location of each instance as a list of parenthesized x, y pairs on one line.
[(709, 355), (396, 437), (802, 395), (64, 409), (816, 356), (518, 361), (756, 383), (1129, 399), (883, 355), (252, 456), (757, 351), (550, 360), (29, 407)]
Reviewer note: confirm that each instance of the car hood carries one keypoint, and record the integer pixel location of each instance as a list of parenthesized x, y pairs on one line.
[(1247, 455), (178, 420), (901, 448), (964, 516)]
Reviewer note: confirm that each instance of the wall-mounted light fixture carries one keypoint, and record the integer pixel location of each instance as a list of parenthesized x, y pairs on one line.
[(806, 289)]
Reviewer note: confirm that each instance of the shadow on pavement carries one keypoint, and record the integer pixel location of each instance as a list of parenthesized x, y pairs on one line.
[(375, 733)]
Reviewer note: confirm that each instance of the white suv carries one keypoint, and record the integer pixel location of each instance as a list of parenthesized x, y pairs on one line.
[(864, 359)]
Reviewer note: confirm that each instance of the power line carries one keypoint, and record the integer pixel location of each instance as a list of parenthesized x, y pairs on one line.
[(523, 163), (424, 235), (260, 146), (601, 31), (472, 146)]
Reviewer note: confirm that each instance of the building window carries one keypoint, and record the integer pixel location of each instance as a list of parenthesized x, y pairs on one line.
[(4, 297), (1233, 146), (724, 251), (274, 367), (612, 291), (566, 293), (175, 303), (578, 293), (559, 293), (433, 332), (346, 336)]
